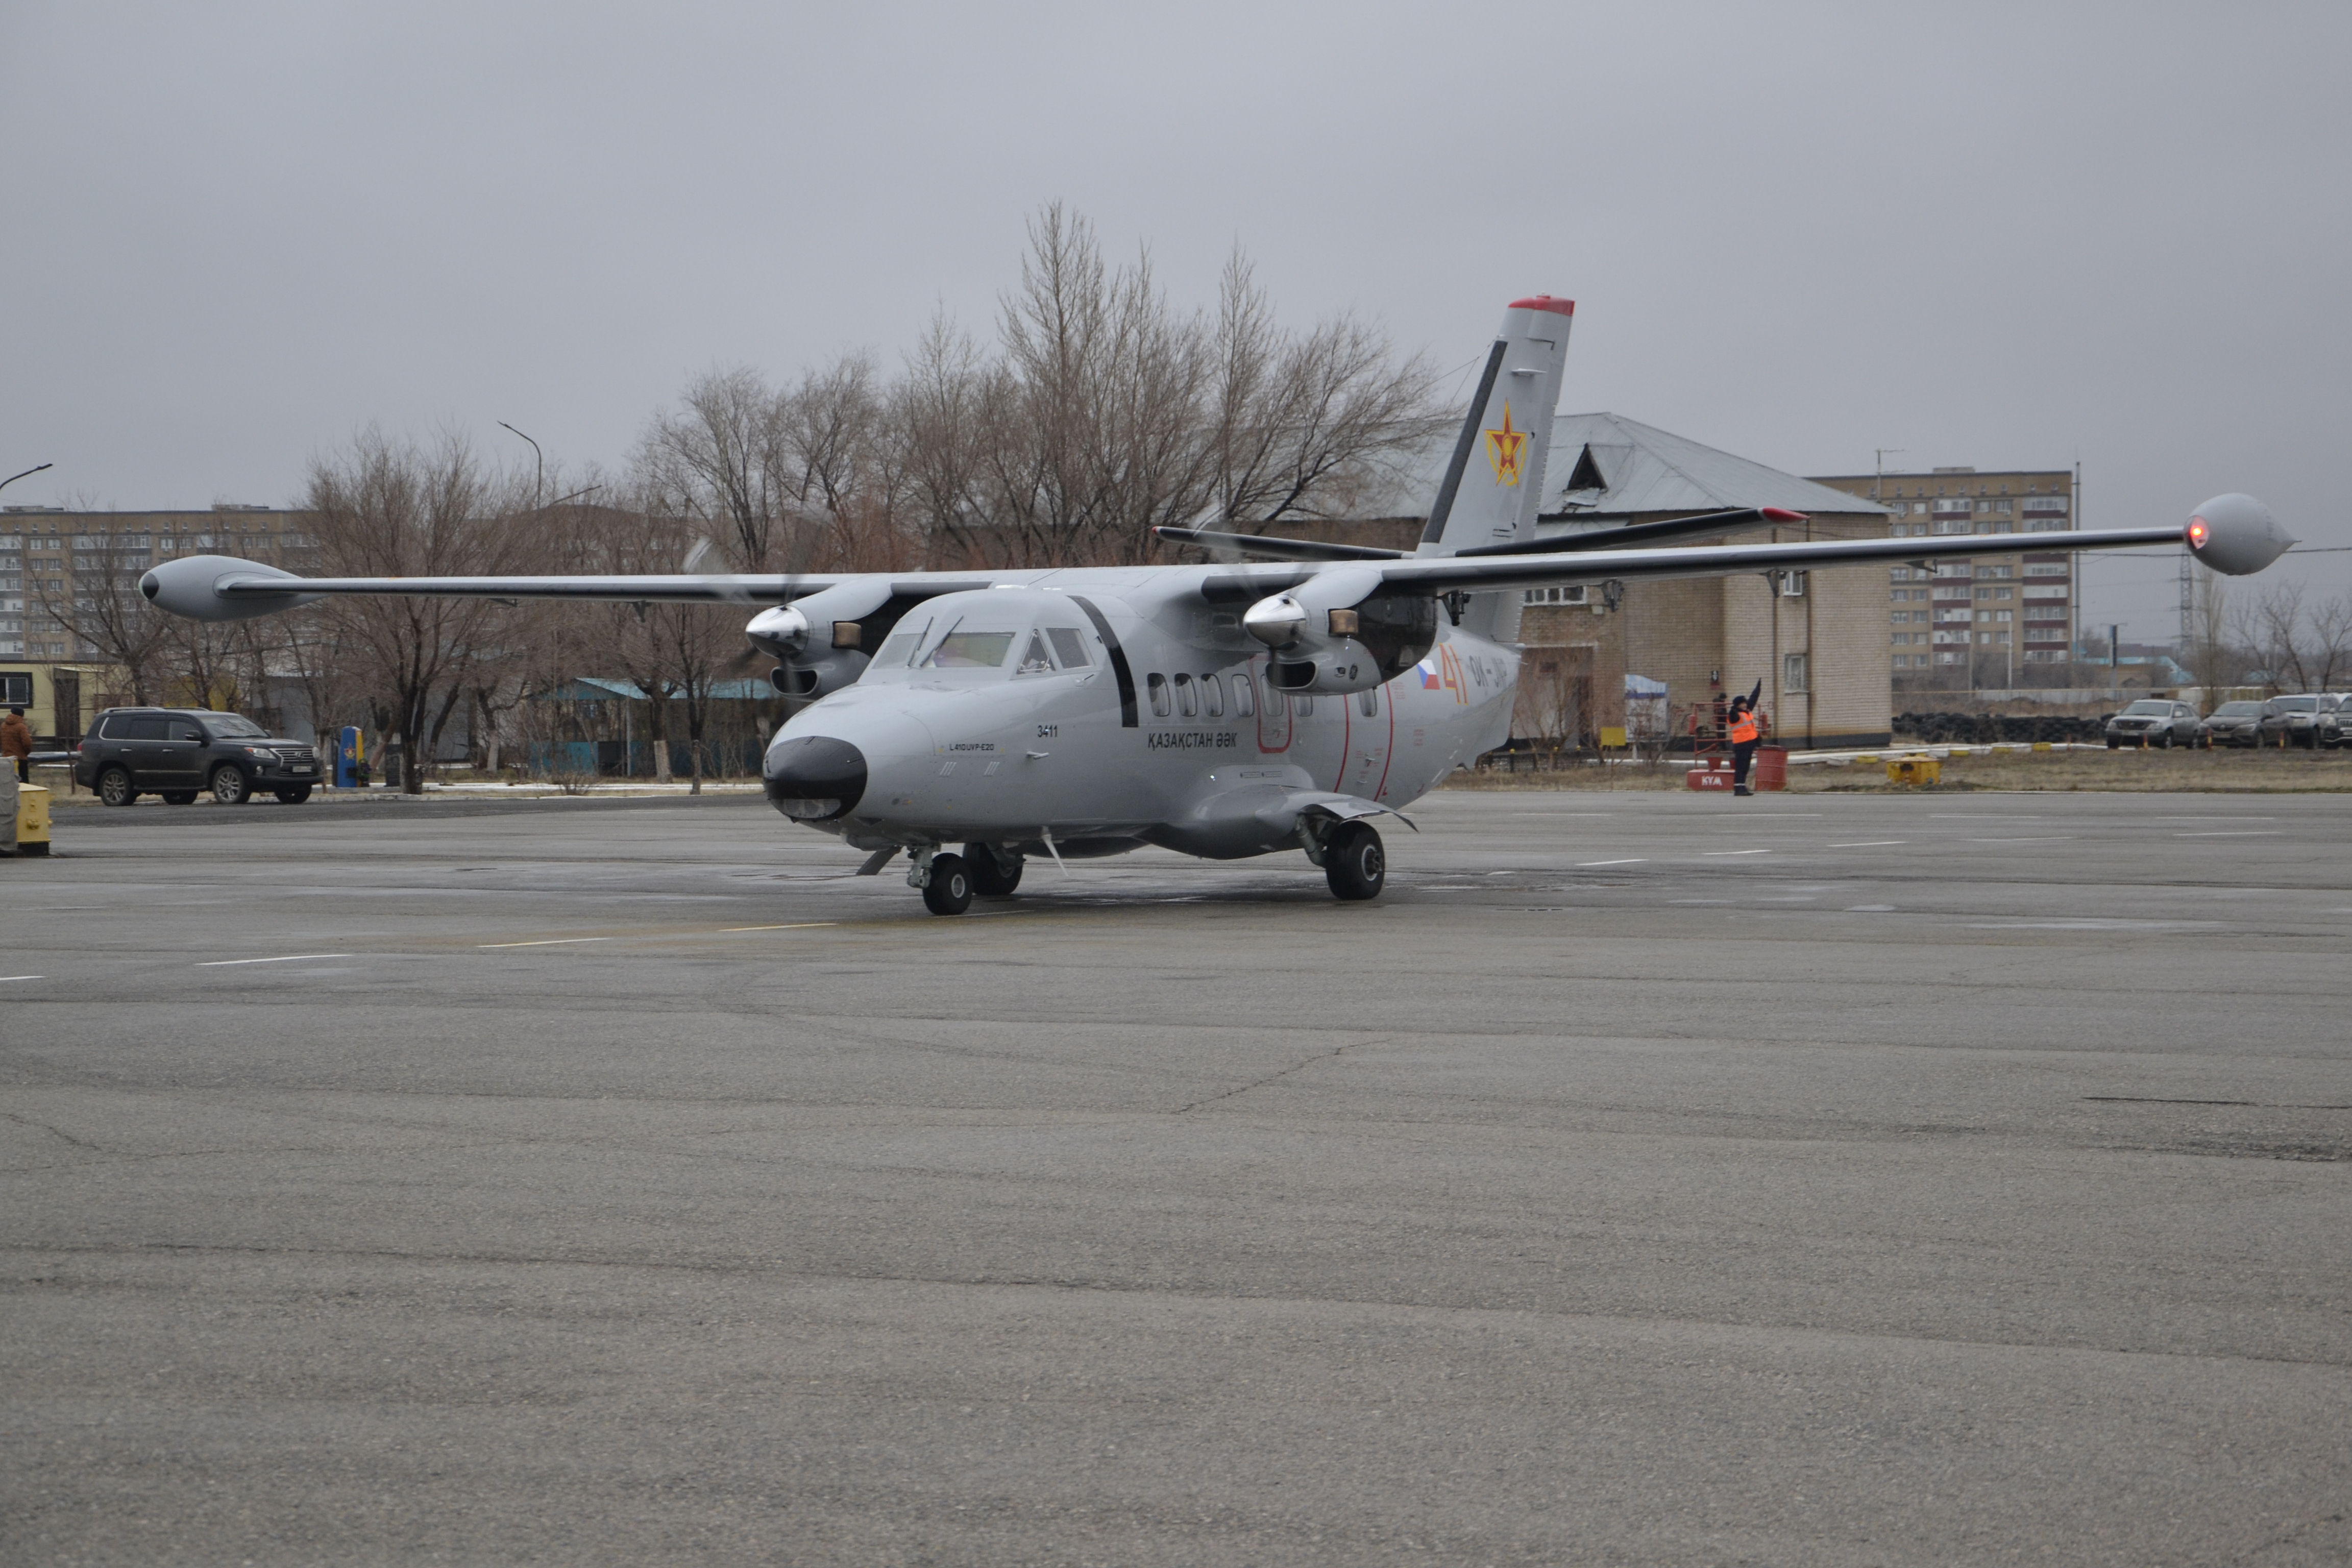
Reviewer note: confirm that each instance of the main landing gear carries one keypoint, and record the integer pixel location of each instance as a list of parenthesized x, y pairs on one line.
[(1354, 864)]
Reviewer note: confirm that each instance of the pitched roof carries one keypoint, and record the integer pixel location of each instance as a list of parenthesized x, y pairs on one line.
[(1610, 465), (1605, 466)]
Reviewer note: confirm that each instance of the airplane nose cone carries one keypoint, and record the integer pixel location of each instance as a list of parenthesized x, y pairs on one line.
[(814, 778)]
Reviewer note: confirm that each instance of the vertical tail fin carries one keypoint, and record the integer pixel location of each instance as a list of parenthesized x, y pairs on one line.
[(1494, 482)]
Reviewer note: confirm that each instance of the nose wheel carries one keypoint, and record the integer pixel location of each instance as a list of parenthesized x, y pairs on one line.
[(948, 890)]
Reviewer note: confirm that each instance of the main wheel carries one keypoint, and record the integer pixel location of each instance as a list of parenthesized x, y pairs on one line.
[(294, 796), (179, 797), (114, 787), (1354, 863), (990, 880), (948, 892), (229, 784)]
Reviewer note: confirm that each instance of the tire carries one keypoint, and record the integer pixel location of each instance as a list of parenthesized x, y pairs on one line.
[(990, 880), (2114, 744), (294, 796), (2164, 744), (948, 892), (179, 797), (1354, 863), (114, 787), (230, 786)]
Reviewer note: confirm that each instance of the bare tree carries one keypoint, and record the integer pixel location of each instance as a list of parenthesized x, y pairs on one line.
[(2304, 647), (391, 509), (104, 610), (721, 457)]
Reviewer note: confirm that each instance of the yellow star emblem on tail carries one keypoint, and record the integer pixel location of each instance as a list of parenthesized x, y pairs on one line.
[(1506, 449)]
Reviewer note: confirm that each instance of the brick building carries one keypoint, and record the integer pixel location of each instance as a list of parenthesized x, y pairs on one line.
[(1815, 639)]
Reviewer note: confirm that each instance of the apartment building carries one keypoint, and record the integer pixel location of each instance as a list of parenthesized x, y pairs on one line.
[(56, 566), (1990, 620)]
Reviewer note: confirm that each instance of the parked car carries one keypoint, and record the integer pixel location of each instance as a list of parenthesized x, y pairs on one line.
[(2157, 720), (177, 752), (2315, 719), (2232, 724)]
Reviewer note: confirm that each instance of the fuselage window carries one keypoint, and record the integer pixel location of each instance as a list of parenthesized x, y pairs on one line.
[(1243, 695), (1034, 659), (1368, 702), (1212, 695), (1159, 688), (1068, 645), (1185, 703)]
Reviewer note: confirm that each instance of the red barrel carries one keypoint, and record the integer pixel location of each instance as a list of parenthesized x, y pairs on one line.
[(1771, 768)]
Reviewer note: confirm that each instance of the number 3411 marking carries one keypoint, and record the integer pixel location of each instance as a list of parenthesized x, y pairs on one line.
[(1047, 731)]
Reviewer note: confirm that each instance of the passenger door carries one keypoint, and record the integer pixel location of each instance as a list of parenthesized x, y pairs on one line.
[(140, 748), (180, 758)]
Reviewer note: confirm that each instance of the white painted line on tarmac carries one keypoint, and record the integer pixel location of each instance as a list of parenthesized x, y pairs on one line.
[(2234, 832), (796, 925), (1636, 860), (1715, 854), (550, 942), (2044, 839), (289, 958), (1871, 844), (5, 978)]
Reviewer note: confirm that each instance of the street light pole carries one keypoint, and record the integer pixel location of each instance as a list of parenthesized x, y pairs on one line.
[(539, 472), (12, 478)]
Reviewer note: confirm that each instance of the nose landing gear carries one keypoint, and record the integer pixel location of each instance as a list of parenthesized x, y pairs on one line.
[(945, 881)]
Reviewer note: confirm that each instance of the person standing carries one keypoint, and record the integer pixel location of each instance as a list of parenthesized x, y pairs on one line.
[(16, 743), (1746, 731)]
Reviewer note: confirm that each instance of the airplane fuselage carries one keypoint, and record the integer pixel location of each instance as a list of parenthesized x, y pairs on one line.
[(1113, 708)]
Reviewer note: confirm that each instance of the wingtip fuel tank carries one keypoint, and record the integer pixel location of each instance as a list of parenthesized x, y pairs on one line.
[(190, 587), (2236, 534)]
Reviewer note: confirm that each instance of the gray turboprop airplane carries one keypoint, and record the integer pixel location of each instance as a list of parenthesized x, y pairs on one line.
[(1224, 710)]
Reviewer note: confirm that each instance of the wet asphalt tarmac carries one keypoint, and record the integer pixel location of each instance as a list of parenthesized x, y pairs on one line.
[(1821, 1180)]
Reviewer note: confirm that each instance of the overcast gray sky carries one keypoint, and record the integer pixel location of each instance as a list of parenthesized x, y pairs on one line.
[(1988, 234)]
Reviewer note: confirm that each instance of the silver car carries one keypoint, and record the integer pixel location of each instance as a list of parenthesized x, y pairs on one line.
[(2155, 721), (2232, 724), (2313, 721)]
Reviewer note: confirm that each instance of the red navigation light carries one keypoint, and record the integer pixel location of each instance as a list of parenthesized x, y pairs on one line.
[(1781, 514), (2196, 533), (1546, 302)]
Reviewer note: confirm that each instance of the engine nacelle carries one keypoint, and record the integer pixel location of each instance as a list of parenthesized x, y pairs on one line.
[(1338, 632), (184, 587), (819, 639)]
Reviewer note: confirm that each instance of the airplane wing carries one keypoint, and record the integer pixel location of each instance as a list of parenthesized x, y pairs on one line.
[(1277, 548), (1472, 573)]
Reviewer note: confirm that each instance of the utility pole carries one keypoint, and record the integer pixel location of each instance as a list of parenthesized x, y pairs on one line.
[(1878, 484)]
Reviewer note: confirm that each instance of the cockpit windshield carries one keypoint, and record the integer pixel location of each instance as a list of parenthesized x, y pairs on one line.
[(961, 650)]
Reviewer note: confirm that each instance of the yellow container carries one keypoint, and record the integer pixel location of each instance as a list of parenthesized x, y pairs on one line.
[(32, 820), (1612, 737), (2041, 745), (1915, 771)]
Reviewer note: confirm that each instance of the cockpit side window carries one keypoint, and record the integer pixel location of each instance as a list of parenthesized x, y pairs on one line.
[(1068, 646), (1034, 659)]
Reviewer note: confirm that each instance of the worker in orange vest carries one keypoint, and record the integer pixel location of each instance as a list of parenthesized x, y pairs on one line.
[(1747, 729)]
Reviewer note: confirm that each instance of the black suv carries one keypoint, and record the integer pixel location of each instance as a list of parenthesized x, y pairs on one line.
[(176, 751)]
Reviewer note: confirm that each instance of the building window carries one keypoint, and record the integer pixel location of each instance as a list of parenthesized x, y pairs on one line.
[(1793, 672), (1792, 585), (1574, 595)]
